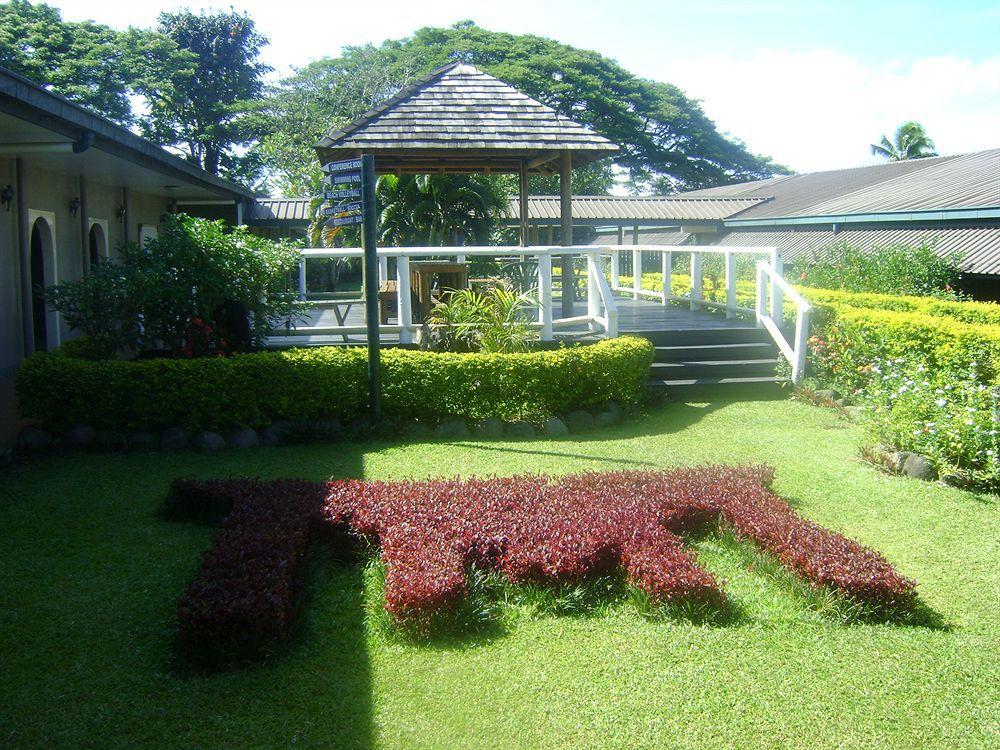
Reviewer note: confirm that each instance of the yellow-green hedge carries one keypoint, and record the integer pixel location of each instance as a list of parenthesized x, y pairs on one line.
[(979, 313), (252, 390)]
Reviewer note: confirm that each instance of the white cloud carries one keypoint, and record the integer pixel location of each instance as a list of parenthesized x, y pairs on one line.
[(821, 109)]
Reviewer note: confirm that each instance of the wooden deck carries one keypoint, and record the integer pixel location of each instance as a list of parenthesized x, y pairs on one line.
[(634, 316)]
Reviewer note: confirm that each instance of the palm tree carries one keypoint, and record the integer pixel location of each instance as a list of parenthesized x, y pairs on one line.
[(909, 142)]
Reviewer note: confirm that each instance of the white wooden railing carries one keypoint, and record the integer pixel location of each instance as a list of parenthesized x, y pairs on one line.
[(770, 293), (696, 296), (771, 319), (601, 316)]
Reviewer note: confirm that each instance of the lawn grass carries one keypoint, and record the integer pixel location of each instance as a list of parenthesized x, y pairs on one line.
[(91, 575)]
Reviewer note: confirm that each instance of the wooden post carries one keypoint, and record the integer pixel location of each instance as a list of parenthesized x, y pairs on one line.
[(566, 230), (777, 298), (403, 299), (371, 264), (696, 281), (668, 275), (616, 260), (549, 239), (730, 285), (523, 201), (636, 273), (302, 278), (761, 294), (125, 215), (545, 295)]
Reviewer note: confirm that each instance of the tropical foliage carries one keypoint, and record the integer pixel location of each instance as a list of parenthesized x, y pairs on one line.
[(887, 269), (909, 142), (174, 291), (495, 320)]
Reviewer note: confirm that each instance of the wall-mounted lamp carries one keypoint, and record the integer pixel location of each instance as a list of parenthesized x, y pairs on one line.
[(74, 206), (120, 212), (7, 196)]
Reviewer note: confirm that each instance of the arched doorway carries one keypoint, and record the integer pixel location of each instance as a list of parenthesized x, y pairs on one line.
[(97, 244), (38, 318)]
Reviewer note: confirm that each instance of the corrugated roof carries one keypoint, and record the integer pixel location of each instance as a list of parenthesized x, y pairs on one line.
[(646, 237), (979, 247), (279, 209), (462, 119), (630, 208), (937, 183)]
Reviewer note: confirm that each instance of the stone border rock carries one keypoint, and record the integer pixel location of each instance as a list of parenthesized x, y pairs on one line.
[(33, 441)]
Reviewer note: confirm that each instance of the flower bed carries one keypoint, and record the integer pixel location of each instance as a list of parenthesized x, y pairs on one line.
[(929, 382), (254, 390), (527, 528)]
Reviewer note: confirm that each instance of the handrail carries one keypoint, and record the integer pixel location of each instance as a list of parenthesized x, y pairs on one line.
[(610, 318), (796, 355)]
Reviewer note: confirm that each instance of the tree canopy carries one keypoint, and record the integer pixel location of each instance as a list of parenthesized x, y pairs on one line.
[(667, 142), (91, 64), (206, 114)]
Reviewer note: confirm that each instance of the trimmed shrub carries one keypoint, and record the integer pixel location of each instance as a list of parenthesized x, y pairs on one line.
[(253, 390), (531, 529), (977, 313)]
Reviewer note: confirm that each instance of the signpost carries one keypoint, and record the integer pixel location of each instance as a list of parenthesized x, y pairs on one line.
[(353, 202)]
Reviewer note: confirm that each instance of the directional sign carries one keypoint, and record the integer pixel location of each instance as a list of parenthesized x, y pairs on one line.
[(341, 208), (342, 178), (343, 221), (336, 195), (348, 165)]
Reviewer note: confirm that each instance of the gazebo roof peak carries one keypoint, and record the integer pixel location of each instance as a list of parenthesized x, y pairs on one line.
[(460, 119)]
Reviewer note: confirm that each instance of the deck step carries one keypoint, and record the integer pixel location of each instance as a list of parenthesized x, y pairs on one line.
[(719, 368), (761, 386), (754, 350), (705, 336)]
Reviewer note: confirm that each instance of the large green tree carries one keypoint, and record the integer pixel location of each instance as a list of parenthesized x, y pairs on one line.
[(91, 64), (910, 141), (208, 115), (665, 137)]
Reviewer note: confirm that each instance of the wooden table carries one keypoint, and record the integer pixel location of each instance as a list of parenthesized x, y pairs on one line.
[(450, 275)]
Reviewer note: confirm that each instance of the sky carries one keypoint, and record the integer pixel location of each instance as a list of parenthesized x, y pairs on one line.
[(809, 83)]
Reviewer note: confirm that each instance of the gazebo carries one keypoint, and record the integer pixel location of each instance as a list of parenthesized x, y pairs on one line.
[(461, 120)]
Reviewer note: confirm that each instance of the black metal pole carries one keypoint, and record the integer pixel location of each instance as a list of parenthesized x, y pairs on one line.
[(368, 227)]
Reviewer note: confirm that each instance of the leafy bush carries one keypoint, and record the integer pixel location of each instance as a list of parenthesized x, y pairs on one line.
[(253, 390), (495, 320), (954, 420), (192, 271), (530, 529), (889, 269), (928, 380)]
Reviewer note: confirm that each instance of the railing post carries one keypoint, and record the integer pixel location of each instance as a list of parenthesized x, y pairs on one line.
[(696, 281), (302, 278), (403, 299), (383, 268), (777, 296), (636, 273), (615, 268), (761, 293), (667, 262), (730, 285), (545, 295), (593, 292), (801, 337)]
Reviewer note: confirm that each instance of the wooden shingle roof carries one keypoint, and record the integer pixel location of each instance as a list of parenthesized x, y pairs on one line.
[(460, 119)]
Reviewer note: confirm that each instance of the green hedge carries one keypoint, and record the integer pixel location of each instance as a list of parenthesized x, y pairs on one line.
[(253, 390), (979, 313)]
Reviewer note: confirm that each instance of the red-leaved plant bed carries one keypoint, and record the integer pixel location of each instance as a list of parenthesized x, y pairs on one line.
[(528, 528)]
